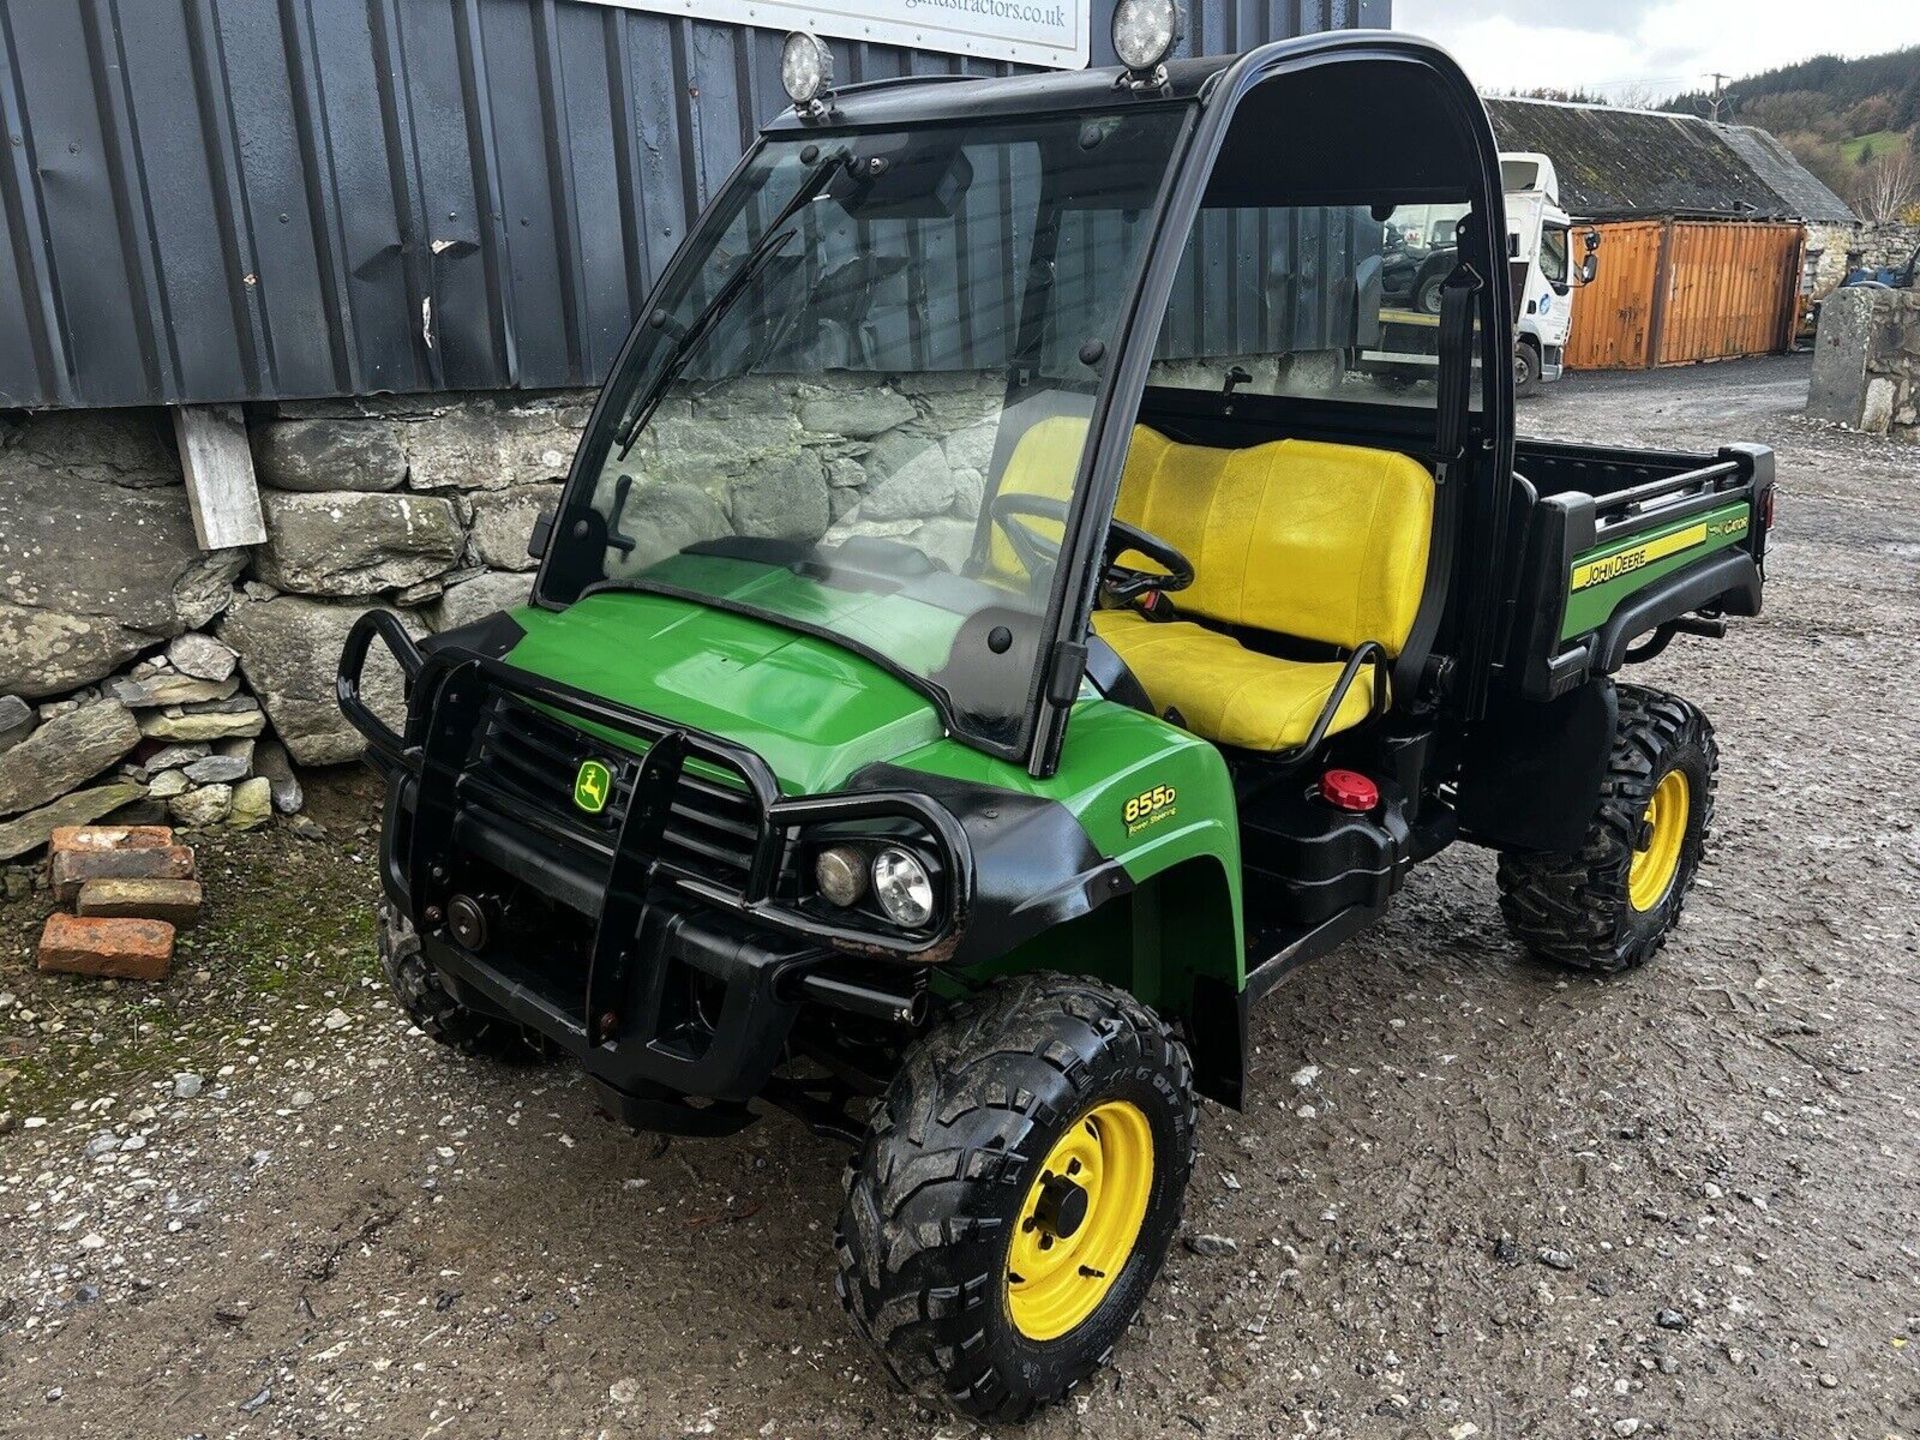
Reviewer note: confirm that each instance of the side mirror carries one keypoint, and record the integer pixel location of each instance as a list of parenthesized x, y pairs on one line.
[(1593, 241), (542, 533), (1589, 267)]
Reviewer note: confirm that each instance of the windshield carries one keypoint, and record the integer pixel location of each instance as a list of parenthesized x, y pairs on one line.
[(869, 339), (1553, 254)]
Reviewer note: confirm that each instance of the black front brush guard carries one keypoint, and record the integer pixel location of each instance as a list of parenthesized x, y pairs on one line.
[(448, 691)]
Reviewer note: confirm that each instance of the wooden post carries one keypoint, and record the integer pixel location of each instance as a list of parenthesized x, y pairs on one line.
[(221, 489)]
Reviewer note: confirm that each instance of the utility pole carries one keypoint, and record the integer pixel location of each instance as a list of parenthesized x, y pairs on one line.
[(1719, 97)]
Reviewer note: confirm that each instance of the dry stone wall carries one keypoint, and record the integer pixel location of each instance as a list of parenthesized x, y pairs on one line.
[(142, 678), (1890, 245), (136, 670)]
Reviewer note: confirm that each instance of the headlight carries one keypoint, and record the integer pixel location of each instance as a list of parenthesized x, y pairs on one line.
[(1145, 32), (806, 68), (841, 874), (901, 886)]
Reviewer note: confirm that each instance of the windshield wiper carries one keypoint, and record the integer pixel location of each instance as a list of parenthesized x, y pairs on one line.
[(771, 242), (757, 260)]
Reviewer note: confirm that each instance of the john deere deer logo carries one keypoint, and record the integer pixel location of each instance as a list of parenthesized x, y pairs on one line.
[(592, 786)]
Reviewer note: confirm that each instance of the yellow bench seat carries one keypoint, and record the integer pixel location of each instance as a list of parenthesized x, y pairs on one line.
[(1323, 543), (1226, 692)]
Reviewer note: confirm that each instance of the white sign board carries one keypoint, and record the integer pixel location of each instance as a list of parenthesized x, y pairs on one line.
[(1053, 33)]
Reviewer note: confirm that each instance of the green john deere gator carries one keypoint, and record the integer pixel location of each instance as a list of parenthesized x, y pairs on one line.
[(988, 639)]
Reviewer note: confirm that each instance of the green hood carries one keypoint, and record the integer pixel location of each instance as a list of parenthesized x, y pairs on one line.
[(812, 710)]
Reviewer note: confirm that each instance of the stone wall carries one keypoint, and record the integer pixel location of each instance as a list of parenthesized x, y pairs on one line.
[(1866, 366), (1834, 242), (1843, 247), (135, 669), (1891, 244)]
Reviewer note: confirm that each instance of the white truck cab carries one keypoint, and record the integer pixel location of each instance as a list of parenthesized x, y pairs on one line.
[(1540, 251)]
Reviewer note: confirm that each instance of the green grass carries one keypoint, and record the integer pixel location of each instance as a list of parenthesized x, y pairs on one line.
[(1877, 143)]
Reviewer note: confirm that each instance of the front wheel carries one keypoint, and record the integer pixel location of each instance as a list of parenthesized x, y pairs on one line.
[(1526, 370), (440, 1017), (1611, 905), (1017, 1192)]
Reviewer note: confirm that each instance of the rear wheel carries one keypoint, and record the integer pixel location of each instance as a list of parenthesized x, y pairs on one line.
[(1612, 905), (1017, 1192)]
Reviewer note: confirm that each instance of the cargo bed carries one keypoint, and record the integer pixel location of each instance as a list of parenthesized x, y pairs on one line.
[(1621, 544)]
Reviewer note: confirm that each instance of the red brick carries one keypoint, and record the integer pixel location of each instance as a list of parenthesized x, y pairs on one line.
[(111, 837), (177, 902), (73, 868), (123, 949)]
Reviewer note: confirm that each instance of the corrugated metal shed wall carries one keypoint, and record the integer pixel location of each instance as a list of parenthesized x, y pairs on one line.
[(211, 200)]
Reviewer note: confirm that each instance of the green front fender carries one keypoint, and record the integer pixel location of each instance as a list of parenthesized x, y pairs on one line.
[(1157, 800)]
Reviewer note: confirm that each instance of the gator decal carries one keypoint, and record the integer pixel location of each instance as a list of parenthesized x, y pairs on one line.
[(1623, 562), (1602, 578)]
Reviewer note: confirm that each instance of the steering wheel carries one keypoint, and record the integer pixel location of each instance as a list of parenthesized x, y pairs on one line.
[(1040, 553)]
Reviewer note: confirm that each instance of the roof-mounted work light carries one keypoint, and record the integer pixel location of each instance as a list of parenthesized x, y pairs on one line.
[(1144, 34), (806, 70)]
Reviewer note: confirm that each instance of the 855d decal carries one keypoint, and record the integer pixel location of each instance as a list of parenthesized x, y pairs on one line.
[(1150, 807)]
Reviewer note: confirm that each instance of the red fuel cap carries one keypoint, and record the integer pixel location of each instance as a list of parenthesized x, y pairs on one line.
[(1349, 790)]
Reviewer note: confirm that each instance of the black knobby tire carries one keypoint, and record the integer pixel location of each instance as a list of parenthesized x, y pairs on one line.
[(416, 985), (1574, 910), (1526, 370), (1426, 299), (948, 1160)]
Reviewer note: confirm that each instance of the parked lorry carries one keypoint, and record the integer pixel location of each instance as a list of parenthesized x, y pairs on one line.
[(955, 755), (1417, 258)]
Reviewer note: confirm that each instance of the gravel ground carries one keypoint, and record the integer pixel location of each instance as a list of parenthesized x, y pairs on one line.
[(1469, 1196)]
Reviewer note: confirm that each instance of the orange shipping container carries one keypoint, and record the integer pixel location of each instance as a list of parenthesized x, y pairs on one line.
[(1613, 317), (1675, 291)]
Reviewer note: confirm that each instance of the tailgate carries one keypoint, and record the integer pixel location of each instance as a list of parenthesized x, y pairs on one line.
[(1664, 536)]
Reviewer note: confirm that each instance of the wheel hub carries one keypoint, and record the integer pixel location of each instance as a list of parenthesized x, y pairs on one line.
[(1063, 1207)]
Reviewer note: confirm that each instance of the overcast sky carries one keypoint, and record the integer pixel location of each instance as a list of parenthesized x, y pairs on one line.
[(1665, 46)]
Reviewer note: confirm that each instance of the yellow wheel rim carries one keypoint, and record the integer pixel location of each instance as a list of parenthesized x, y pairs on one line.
[(1080, 1220), (1650, 877)]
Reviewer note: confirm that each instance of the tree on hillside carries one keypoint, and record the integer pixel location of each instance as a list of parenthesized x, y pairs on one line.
[(1831, 86), (1870, 116), (1887, 185), (1842, 82), (1555, 93), (1794, 112), (1634, 97), (1824, 160), (1906, 109)]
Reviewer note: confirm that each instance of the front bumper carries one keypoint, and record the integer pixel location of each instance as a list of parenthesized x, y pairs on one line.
[(662, 941)]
